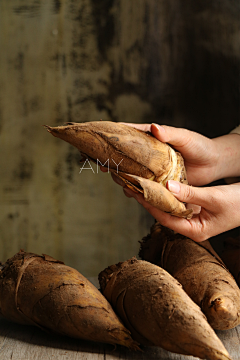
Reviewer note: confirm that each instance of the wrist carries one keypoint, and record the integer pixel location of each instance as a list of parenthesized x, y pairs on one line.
[(227, 148)]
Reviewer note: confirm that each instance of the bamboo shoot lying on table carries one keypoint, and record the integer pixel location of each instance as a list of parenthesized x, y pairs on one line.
[(157, 311), (39, 290), (201, 272)]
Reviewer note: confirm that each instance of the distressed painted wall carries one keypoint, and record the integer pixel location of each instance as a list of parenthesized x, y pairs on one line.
[(140, 61)]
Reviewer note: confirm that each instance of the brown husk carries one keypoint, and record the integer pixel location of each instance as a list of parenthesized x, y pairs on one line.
[(157, 195), (155, 308), (39, 290), (201, 272), (130, 152)]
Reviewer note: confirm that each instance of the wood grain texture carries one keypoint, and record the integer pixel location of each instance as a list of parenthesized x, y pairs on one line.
[(138, 61), (26, 343)]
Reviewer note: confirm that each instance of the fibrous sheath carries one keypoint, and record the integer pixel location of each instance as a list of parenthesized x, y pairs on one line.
[(157, 311), (144, 163), (202, 273), (41, 291)]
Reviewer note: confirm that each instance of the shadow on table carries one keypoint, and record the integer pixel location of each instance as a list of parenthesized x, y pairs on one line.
[(35, 336)]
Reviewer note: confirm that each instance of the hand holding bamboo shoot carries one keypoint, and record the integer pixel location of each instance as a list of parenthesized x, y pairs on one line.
[(144, 163)]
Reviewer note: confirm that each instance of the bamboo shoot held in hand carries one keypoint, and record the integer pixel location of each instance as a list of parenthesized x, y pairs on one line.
[(39, 290), (157, 311), (201, 272), (144, 163)]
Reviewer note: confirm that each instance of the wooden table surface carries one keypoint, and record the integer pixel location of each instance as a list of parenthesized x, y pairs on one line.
[(19, 342)]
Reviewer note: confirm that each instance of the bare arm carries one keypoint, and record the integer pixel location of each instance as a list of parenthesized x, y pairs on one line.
[(228, 147)]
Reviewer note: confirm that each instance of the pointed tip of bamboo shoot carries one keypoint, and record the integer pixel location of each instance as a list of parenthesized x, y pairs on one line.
[(49, 128), (55, 131), (133, 345), (223, 309), (124, 338)]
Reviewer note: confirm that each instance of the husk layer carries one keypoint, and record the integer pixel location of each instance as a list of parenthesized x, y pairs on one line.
[(201, 272), (42, 291), (133, 155), (156, 309)]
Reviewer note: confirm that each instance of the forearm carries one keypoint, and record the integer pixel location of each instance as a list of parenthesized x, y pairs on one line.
[(228, 150)]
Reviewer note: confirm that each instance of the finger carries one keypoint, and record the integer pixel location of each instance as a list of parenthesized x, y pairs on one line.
[(117, 180), (196, 208), (143, 127), (177, 224), (193, 228), (159, 132), (178, 137), (104, 169), (189, 194), (128, 192)]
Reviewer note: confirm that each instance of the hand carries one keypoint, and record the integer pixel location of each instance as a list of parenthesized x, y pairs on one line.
[(219, 212), (205, 159), (199, 153)]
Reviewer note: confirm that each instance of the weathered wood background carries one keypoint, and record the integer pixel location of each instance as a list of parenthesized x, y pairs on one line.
[(165, 61)]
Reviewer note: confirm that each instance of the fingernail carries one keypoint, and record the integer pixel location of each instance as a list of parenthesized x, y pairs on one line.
[(160, 128), (173, 186), (196, 208)]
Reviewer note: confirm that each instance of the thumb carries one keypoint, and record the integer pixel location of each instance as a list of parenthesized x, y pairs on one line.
[(174, 136), (187, 194), (182, 140)]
